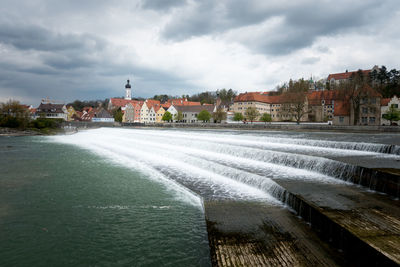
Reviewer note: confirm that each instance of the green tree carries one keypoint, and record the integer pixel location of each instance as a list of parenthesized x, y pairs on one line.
[(204, 116), (238, 116), (266, 118), (219, 115), (393, 114), (117, 114), (178, 116), (14, 115), (251, 114), (167, 116)]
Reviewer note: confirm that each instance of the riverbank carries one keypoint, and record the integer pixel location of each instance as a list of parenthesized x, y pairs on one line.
[(17, 132), (30, 132)]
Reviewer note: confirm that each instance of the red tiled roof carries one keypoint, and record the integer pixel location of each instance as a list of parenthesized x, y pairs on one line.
[(345, 75), (257, 97), (316, 97), (369, 91), (119, 102), (166, 105), (385, 101), (342, 108)]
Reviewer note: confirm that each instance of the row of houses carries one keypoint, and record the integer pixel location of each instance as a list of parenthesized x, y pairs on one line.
[(320, 106), (152, 111), (49, 110)]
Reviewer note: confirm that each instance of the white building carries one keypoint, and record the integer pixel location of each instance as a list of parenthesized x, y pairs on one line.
[(385, 104)]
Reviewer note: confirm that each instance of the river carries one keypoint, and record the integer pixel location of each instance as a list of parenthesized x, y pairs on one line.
[(125, 197)]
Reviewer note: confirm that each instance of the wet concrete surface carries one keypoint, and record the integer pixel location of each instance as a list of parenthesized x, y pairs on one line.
[(370, 161), (370, 219), (257, 234)]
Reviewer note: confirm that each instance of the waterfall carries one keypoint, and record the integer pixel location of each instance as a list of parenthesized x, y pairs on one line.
[(214, 165)]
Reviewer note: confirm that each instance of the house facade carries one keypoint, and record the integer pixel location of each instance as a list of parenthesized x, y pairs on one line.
[(386, 103), (190, 113), (52, 111)]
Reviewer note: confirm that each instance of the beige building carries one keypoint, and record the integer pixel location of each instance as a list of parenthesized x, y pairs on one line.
[(159, 113)]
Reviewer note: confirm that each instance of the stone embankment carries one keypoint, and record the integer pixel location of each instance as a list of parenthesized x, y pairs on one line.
[(16, 132), (279, 127)]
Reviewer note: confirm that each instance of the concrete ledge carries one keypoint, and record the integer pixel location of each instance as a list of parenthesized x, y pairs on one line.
[(308, 126)]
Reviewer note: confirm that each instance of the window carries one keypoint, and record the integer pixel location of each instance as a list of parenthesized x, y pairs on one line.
[(371, 119), (372, 110), (364, 110), (341, 119), (364, 119), (395, 105), (373, 100)]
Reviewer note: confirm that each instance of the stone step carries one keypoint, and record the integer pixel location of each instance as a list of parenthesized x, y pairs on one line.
[(364, 225)]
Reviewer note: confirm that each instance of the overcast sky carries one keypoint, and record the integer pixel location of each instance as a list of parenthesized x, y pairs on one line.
[(87, 49)]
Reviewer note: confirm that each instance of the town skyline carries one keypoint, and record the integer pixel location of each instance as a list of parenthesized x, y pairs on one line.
[(85, 51)]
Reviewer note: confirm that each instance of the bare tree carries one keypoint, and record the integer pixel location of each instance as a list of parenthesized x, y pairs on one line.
[(294, 101)]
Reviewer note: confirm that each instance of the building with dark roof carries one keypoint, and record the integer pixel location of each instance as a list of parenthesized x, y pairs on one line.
[(52, 111)]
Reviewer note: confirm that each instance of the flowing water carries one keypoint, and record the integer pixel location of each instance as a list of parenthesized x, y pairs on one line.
[(115, 196)]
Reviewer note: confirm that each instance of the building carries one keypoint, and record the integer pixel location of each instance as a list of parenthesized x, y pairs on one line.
[(71, 113), (366, 112), (129, 113), (102, 115), (341, 113), (52, 111), (160, 111), (321, 105), (386, 103), (337, 78), (257, 100), (190, 113)]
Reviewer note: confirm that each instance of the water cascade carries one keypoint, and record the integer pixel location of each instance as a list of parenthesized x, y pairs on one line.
[(226, 165)]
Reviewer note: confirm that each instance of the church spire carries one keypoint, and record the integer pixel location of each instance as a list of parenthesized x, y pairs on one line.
[(128, 92)]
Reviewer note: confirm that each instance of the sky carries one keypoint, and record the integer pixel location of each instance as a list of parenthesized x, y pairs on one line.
[(86, 50)]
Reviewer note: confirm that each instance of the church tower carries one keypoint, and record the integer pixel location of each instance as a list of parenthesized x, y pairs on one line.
[(128, 93)]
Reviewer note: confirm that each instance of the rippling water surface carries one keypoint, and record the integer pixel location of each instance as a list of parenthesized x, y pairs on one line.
[(64, 206)]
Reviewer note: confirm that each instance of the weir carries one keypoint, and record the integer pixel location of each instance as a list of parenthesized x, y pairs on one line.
[(247, 180)]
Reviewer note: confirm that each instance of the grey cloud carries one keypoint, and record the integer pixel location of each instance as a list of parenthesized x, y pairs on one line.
[(162, 4), (303, 21), (32, 37)]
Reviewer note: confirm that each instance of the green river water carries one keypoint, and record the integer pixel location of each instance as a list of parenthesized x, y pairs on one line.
[(64, 206)]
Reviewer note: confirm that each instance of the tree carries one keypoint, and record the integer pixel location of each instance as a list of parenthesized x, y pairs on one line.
[(178, 116), (294, 101), (13, 115), (355, 91), (204, 115), (393, 114), (167, 116), (219, 115), (238, 116), (251, 114), (117, 114), (266, 118)]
